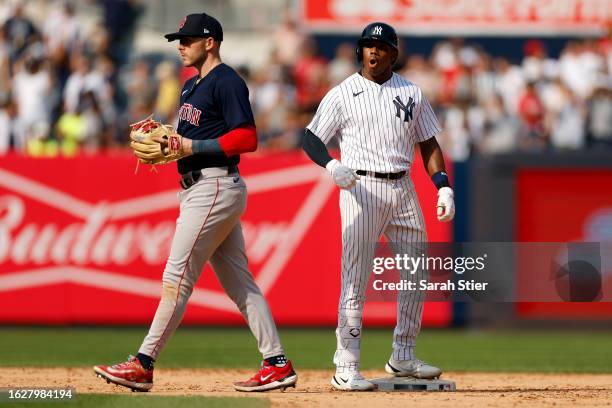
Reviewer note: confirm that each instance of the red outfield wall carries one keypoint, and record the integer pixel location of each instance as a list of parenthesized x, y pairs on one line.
[(565, 205), (85, 240)]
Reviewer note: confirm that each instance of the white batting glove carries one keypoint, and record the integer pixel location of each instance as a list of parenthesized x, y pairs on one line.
[(446, 204), (343, 176)]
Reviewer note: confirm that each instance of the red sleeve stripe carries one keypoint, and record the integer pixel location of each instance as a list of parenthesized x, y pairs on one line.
[(240, 140)]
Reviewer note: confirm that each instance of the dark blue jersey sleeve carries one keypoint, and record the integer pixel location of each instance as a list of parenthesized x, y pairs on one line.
[(233, 96)]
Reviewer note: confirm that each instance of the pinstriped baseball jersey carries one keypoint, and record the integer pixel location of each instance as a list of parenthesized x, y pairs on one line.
[(376, 125)]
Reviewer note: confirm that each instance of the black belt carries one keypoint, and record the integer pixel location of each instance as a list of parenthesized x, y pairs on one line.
[(189, 179), (388, 176)]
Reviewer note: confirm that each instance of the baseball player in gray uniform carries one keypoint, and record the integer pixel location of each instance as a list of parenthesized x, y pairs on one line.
[(215, 126), (378, 117)]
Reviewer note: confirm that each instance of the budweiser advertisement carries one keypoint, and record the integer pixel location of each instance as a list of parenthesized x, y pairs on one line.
[(445, 17), (85, 241)]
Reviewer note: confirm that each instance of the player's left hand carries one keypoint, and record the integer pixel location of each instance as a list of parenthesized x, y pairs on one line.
[(183, 144), (156, 143), (446, 204)]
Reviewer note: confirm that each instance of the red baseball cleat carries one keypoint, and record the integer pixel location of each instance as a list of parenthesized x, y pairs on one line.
[(269, 377), (129, 374)]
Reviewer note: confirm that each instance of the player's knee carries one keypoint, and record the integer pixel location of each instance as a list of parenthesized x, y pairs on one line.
[(173, 272), (176, 288)]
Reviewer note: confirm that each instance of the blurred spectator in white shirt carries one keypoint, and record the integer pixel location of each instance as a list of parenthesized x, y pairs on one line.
[(288, 39), (553, 95), (101, 84), (501, 130), (272, 102), (343, 65), (510, 84), (484, 80), (84, 79), (468, 55), (444, 56), (568, 126), (61, 29), (455, 138), (570, 71), (76, 84), (140, 93), (269, 87), (32, 87), (6, 128), (580, 66), (600, 113), (536, 64)]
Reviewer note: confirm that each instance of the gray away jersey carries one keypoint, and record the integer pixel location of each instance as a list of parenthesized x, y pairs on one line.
[(377, 125)]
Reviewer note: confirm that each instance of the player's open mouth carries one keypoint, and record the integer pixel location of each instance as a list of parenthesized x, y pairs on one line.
[(373, 62)]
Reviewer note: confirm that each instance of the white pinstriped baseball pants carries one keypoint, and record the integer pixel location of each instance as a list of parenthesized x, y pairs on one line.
[(370, 209)]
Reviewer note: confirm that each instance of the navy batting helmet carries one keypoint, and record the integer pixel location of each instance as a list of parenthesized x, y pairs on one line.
[(376, 31)]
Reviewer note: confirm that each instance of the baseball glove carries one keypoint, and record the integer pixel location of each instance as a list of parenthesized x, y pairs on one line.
[(150, 151)]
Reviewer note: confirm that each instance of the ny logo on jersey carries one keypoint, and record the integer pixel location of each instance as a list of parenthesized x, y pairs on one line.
[(377, 30), (407, 109)]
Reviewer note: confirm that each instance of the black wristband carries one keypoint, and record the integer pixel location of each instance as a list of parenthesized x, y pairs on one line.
[(207, 146), (440, 179)]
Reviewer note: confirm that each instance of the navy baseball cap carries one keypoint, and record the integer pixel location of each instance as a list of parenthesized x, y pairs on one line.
[(198, 25)]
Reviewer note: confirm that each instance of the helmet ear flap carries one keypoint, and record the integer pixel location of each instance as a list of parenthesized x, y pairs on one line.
[(359, 52)]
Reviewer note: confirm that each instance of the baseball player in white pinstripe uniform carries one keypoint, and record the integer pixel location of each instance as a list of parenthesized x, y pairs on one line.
[(378, 117)]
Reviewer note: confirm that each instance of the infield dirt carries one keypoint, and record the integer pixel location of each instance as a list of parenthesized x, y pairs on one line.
[(313, 390)]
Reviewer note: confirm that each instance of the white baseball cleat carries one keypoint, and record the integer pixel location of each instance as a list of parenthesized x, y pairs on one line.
[(412, 368), (351, 382)]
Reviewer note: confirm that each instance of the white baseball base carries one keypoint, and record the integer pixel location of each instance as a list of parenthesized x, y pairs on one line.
[(412, 384)]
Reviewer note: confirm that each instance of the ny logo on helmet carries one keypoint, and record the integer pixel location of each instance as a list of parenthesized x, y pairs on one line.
[(377, 30)]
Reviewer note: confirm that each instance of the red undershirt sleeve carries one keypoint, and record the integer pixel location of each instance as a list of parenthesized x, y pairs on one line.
[(240, 140)]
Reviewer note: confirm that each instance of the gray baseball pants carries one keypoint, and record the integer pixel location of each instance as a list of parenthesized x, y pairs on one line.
[(208, 229)]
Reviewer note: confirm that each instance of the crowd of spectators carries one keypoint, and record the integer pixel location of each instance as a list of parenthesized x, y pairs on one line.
[(60, 83), (486, 104), (64, 89)]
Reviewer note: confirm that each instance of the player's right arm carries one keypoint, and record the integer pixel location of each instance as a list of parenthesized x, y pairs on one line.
[(323, 127)]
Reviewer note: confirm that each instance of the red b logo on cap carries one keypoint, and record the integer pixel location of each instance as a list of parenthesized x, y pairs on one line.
[(182, 23)]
